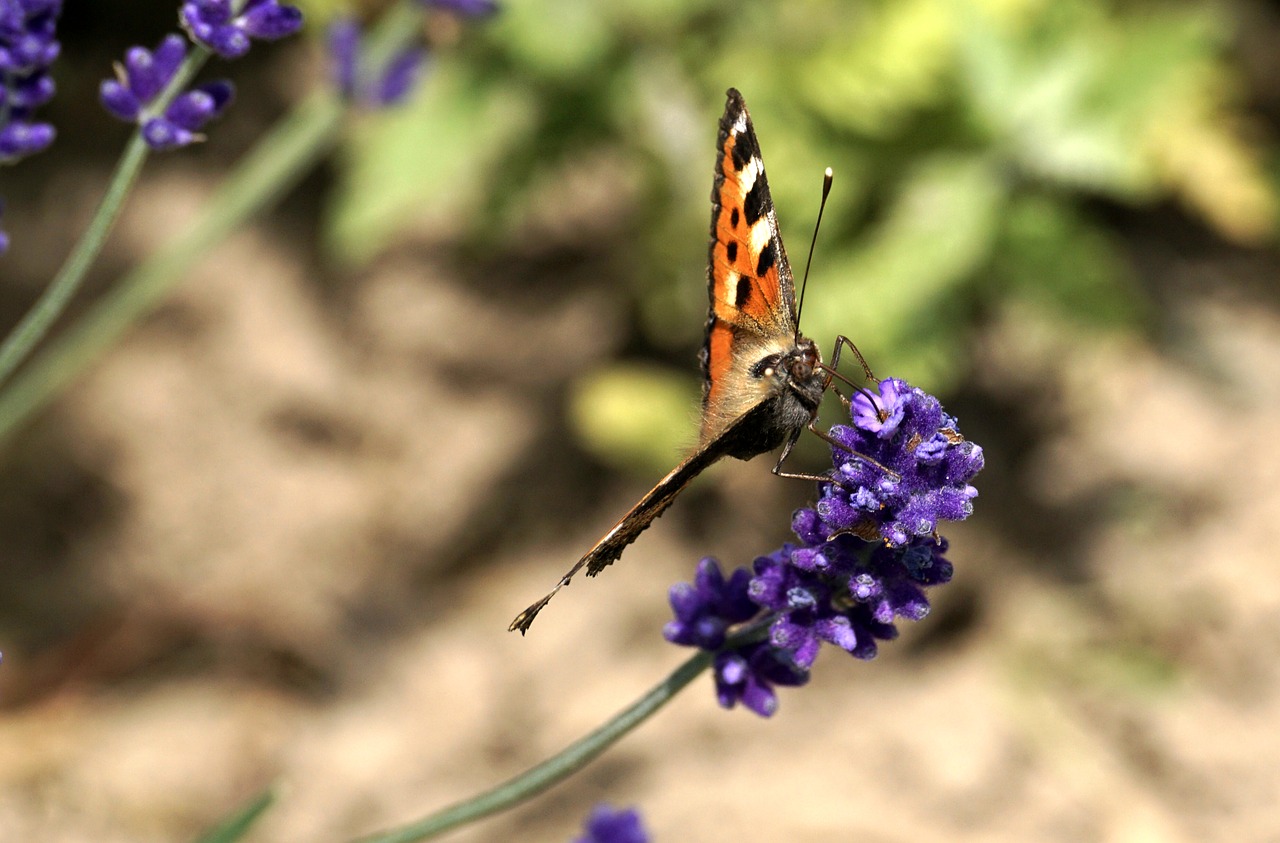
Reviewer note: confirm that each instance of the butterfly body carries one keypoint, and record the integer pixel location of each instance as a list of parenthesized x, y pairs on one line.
[(762, 380)]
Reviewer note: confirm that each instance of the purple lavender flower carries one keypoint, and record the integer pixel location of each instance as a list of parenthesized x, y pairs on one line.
[(139, 83), (227, 28), (867, 551), (904, 430), (390, 85), (748, 674), (28, 46), (605, 825), (465, 8), (706, 609)]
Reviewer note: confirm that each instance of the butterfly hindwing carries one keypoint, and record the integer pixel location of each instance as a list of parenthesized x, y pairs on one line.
[(749, 283)]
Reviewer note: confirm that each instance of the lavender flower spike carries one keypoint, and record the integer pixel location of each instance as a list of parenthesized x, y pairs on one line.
[(227, 28), (867, 551), (28, 46), (142, 78)]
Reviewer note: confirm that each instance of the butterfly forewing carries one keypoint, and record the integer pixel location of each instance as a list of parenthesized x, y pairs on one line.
[(752, 295)]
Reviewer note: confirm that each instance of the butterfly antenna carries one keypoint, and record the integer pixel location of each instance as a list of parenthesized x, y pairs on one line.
[(804, 282)]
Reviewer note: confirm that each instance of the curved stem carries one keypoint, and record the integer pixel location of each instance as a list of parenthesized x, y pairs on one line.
[(273, 166), (53, 301), (555, 769)]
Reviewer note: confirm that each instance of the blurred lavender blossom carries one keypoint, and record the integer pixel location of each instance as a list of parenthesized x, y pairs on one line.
[(140, 81), (28, 46), (228, 28), (389, 85), (395, 80), (606, 825)]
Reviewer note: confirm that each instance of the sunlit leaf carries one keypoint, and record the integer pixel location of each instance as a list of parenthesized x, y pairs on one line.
[(636, 417), (424, 164), (891, 292)]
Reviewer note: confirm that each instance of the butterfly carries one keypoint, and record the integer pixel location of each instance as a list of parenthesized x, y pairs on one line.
[(762, 380)]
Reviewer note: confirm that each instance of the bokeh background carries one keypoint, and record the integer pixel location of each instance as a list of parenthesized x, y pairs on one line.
[(277, 533)]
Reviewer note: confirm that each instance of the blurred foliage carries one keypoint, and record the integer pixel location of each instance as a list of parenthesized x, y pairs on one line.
[(970, 141)]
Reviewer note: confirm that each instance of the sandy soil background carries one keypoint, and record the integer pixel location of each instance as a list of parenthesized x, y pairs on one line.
[(277, 536)]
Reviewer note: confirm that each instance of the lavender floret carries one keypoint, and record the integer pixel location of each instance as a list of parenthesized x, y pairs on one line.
[(143, 77), (229, 32)]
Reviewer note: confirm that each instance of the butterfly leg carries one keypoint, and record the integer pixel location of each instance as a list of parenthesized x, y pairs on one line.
[(786, 452), (841, 342), (826, 437)]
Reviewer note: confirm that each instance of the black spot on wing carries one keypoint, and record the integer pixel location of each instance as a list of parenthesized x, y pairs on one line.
[(743, 148), (733, 218), (753, 205), (743, 294), (731, 250), (767, 259)]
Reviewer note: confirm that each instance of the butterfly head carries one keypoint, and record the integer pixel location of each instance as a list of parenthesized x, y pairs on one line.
[(795, 371)]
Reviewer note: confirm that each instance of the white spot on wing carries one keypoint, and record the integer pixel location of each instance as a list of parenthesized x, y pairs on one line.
[(748, 176), (731, 282), (760, 235)]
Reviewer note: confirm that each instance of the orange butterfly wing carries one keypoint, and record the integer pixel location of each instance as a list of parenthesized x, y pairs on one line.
[(749, 283)]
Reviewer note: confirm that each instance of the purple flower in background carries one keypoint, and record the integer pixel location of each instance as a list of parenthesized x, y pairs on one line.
[(218, 25), (143, 77), (390, 85), (867, 551), (28, 46), (466, 8), (605, 825), (392, 82)]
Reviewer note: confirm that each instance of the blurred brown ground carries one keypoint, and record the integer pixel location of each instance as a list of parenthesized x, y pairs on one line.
[(277, 535)]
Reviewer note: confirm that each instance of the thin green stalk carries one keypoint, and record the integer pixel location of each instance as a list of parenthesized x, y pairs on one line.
[(53, 301), (274, 165), (555, 769), (238, 825)]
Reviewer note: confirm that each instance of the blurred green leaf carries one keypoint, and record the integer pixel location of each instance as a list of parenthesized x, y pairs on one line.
[(1051, 256), (892, 293), (562, 39), (426, 162), (636, 417)]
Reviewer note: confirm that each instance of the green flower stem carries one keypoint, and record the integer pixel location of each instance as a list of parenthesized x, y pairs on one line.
[(53, 301), (554, 769), (239, 824), (273, 166)]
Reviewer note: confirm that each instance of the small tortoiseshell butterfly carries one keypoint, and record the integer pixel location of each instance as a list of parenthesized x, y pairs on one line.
[(762, 380)]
